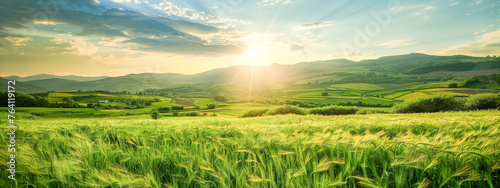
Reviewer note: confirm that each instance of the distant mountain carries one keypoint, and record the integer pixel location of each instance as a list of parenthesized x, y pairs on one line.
[(22, 87), (48, 76), (409, 62), (304, 72), (54, 83)]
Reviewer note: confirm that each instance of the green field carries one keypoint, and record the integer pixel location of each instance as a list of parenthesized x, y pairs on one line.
[(358, 86), (413, 96), (453, 149)]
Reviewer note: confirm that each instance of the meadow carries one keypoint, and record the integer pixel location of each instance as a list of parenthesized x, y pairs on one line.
[(446, 149)]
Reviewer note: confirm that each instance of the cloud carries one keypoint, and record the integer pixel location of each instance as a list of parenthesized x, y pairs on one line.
[(486, 44), (489, 36), (77, 47), (271, 3), (397, 43), (172, 9), (454, 3), (295, 47), (18, 41), (112, 42), (317, 24), (128, 1), (116, 26), (421, 7), (180, 46), (88, 6)]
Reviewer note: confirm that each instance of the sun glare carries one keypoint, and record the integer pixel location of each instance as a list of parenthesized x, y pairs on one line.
[(254, 56)]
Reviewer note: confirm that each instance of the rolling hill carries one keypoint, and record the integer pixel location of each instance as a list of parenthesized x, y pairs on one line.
[(22, 87), (409, 64), (48, 76)]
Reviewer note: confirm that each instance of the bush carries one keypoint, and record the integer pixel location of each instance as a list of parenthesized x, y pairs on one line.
[(286, 109), (483, 101), (212, 106), (255, 112), (434, 103), (164, 109), (373, 111), (222, 98), (453, 85), (334, 110), (191, 114), (175, 114), (177, 107), (156, 114)]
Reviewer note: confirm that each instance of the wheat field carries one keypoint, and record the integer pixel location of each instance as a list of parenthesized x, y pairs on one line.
[(451, 149)]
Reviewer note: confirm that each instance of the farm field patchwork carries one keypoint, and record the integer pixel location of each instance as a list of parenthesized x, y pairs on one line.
[(413, 96), (358, 86), (458, 91)]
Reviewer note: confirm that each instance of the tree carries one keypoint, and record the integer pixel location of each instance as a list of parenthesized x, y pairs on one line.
[(156, 114), (68, 100), (221, 98), (472, 82), (212, 106), (448, 77), (453, 85), (324, 93)]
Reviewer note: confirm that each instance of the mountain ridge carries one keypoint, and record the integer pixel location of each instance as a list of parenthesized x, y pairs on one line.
[(414, 63)]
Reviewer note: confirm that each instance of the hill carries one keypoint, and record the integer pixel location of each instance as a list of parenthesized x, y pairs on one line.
[(414, 64), (49, 76), (26, 88)]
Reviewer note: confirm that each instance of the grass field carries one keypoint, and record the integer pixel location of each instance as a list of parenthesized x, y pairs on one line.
[(413, 96), (358, 86), (396, 95), (457, 91), (454, 149)]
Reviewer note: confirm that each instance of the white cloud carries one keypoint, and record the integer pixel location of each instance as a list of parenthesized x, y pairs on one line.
[(414, 10), (18, 41), (111, 42), (453, 3), (46, 23), (271, 3), (317, 24), (412, 7), (397, 43), (486, 44), (491, 35), (172, 9), (127, 1), (78, 47)]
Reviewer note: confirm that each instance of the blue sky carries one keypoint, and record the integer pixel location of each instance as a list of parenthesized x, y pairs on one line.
[(118, 37)]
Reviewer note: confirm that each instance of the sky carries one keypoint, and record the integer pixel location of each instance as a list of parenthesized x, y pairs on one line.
[(120, 37)]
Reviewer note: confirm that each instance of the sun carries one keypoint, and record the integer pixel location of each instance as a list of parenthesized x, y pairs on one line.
[(255, 56)]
